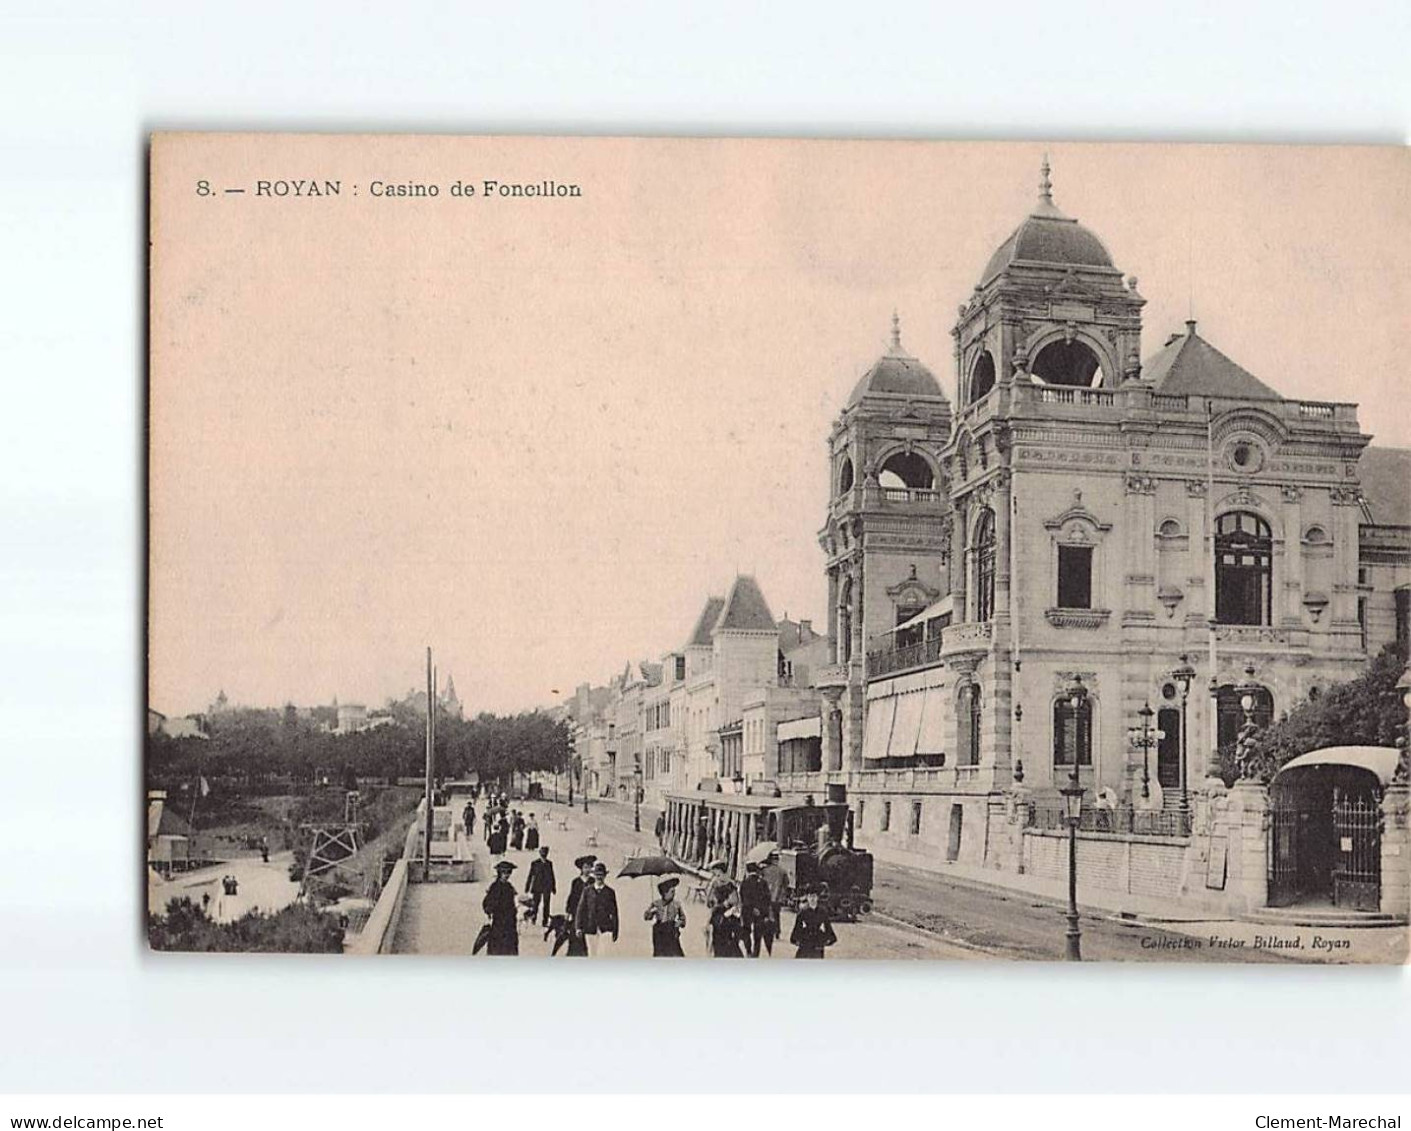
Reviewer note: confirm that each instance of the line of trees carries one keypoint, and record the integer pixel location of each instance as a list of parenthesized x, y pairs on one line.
[(250, 746)]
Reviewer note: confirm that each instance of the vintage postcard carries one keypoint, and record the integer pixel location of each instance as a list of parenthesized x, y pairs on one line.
[(629, 548)]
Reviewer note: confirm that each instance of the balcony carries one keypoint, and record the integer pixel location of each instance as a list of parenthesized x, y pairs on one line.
[(969, 636), (1084, 398), (922, 654)]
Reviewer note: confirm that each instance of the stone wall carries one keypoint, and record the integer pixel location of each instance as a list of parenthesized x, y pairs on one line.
[(1136, 865)]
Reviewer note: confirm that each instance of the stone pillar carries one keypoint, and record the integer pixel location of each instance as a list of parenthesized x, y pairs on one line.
[(1200, 600), (1247, 874), (832, 730), (959, 578), (1346, 514), (1291, 614), (1003, 555), (1396, 851)]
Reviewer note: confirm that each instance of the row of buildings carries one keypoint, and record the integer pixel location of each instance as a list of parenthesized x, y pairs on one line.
[(1082, 564)]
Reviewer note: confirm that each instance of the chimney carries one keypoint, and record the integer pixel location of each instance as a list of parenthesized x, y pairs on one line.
[(805, 628)]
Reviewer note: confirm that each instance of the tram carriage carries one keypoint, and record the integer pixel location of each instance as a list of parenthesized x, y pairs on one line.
[(815, 841)]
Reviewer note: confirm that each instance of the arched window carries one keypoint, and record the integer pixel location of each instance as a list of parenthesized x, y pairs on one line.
[(906, 470), (1072, 733), (972, 754), (845, 476), (968, 711), (1068, 363), (982, 376), (985, 565), (1244, 590)]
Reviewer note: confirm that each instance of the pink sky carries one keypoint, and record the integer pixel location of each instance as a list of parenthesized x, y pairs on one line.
[(537, 434)]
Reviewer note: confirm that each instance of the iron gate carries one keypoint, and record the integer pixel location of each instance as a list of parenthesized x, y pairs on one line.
[(1284, 812), (1357, 856)]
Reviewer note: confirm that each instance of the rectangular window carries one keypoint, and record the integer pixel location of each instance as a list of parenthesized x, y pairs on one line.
[(1072, 734), (886, 815), (680, 668), (916, 818), (1075, 577)]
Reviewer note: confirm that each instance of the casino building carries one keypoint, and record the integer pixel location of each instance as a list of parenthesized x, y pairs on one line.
[(1080, 560)]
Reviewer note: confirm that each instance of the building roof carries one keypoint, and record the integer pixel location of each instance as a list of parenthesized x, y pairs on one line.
[(1189, 365), (898, 373), (745, 610), (1048, 236), (705, 626), (1386, 485)]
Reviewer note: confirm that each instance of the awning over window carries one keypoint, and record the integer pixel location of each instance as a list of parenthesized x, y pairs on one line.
[(932, 739), (907, 726), (878, 731), (801, 728), (935, 609)]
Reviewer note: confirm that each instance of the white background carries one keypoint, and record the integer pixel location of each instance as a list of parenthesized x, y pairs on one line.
[(82, 1006)]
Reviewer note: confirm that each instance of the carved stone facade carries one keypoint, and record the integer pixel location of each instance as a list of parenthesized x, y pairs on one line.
[(1078, 501)]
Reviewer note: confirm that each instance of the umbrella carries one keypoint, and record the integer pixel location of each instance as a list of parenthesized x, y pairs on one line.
[(650, 866), (760, 852)]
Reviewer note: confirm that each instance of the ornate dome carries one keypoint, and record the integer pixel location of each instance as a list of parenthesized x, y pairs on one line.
[(1048, 236), (898, 373)]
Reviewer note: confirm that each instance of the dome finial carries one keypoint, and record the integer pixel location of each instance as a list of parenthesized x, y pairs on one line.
[(896, 330), (1045, 184)]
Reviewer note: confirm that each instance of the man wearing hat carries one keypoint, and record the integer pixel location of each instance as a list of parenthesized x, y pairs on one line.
[(577, 947), (668, 920), (541, 884), (719, 879), (755, 911), (499, 906), (596, 916), (777, 881)]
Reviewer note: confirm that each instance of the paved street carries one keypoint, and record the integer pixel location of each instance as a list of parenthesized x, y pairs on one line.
[(444, 918)]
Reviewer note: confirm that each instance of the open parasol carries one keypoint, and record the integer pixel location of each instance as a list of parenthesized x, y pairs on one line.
[(650, 866), (760, 852)]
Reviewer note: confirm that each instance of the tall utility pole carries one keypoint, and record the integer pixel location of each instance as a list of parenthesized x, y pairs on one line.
[(430, 760)]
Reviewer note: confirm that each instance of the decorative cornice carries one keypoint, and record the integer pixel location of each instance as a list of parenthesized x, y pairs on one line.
[(1077, 618)]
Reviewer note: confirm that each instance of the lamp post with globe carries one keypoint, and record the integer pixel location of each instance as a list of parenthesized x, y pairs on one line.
[(1077, 695)]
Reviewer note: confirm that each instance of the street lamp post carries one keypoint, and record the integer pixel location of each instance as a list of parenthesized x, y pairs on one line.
[(1077, 695), (1248, 690), (1146, 712), (1185, 680)]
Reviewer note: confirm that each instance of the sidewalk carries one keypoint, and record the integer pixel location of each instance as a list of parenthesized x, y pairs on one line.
[(1374, 943)]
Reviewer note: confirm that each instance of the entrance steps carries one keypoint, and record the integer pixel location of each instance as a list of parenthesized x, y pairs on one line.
[(1322, 915)]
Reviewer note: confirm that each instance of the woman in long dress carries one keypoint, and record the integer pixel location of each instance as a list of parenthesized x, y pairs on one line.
[(531, 834), (498, 837), (668, 920), (517, 831)]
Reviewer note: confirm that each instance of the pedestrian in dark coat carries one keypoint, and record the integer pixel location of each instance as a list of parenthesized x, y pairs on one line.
[(660, 830), (726, 927), (541, 885), (531, 834), (497, 838), (755, 912), (777, 881), (468, 819), (577, 946), (596, 914), (517, 832), (499, 904), (812, 930), (668, 920)]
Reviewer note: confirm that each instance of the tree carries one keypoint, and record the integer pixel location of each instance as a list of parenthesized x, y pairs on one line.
[(1365, 711)]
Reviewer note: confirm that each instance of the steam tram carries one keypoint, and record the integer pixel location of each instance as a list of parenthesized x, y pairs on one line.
[(815, 842)]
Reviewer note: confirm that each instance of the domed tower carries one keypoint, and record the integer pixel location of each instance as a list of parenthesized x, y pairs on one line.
[(887, 533), (1050, 337)]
